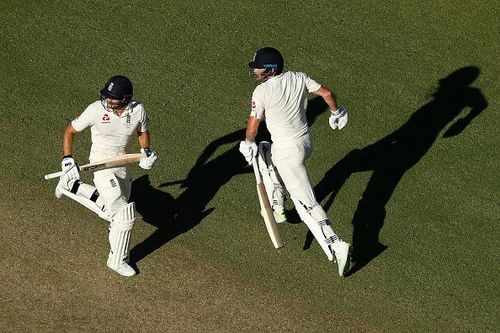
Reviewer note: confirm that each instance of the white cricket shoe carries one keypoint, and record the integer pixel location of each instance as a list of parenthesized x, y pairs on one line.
[(279, 215), (123, 269), (341, 250)]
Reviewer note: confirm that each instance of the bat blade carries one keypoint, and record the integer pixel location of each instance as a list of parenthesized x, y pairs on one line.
[(111, 162), (267, 215), (106, 163)]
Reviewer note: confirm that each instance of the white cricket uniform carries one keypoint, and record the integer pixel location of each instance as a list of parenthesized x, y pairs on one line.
[(282, 102), (110, 136)]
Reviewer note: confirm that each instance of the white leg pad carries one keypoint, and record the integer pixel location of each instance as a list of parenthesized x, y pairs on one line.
[(270, 176), (87, 203), (119, 235), (90, 192), (318, 223)]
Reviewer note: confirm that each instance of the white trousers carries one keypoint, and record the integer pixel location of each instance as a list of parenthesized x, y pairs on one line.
[(114, 186), (289, 158)]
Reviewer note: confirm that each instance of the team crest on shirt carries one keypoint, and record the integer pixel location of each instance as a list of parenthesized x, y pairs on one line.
[(106, 119)]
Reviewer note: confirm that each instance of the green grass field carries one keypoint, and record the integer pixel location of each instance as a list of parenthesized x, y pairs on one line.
[(416, 163)]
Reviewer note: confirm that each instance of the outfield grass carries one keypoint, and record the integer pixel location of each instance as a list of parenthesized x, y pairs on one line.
[(212, 267)]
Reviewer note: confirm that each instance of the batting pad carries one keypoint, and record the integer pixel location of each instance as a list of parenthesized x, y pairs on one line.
[(87, 203), (119, 235), (318, 223), (270, 177)]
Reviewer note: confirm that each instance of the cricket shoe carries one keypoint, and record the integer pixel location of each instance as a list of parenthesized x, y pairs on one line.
[(123, 269), (279, 215), (341, 250)]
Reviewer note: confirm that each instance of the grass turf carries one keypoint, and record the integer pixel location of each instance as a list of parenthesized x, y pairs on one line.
[(188, 61)]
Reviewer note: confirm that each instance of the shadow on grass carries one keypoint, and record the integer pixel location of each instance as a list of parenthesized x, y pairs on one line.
[(174, 216), (392, 156)]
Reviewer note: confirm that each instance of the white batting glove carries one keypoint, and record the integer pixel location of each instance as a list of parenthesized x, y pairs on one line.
[(338, 118), (248, 150), (70, 168), (148, 161)]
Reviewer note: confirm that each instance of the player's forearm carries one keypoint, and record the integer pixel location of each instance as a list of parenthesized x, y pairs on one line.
[(328, 97), (252, 129), (69, 134), (144, 139)]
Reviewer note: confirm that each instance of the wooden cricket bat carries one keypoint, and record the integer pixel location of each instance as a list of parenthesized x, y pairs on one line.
[(266, 210), (106, 163)]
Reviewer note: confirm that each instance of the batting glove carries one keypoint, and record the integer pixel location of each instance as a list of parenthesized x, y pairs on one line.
[(338, 118), (70, 168), (148, 161), (248, 150)]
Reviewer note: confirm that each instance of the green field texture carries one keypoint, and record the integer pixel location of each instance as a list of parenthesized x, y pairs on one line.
[(188, 62)]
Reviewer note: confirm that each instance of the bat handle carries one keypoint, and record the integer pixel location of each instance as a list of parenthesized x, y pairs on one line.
[(53, 175)]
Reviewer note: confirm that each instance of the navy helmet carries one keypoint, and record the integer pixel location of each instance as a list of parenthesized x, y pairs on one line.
[(269, 59), (118, 87)]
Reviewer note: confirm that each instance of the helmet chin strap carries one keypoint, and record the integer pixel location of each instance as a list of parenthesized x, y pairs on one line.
[(268, 73), (118, 109)]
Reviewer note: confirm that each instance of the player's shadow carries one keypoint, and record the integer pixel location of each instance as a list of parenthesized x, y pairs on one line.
[(173, 217), (392, 156)]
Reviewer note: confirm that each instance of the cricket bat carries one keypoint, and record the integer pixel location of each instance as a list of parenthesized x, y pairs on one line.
[(106, 163), (266, 210)]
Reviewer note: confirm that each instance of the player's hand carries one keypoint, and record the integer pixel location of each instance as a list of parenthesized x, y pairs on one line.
[(70, 168), (149, 159), (338, 118), (248, 150)]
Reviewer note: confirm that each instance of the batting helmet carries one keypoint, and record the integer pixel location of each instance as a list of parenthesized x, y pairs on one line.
[(118, 87), (268, 58)]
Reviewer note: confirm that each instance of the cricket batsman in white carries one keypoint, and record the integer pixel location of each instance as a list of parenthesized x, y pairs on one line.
[(112, 120), (280, 98)]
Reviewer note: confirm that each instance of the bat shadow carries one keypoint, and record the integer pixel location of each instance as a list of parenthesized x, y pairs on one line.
[(391, 157), (175, 216)]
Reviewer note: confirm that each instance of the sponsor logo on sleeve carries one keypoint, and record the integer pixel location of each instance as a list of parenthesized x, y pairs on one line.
[(253, 112)]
